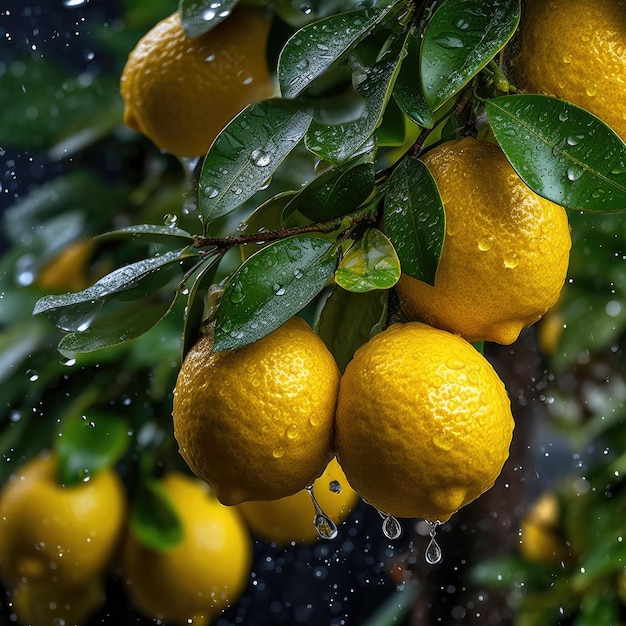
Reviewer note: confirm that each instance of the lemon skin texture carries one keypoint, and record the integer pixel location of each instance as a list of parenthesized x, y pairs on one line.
[(51, 532), (256, 423), (424, 422), (45, 603), (290, 520), (505, 251), (575, 49), (181, 92), (205, 573)]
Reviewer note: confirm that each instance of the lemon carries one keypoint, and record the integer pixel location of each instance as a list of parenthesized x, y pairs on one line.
[(181, 92), (192, 582), (540, 540), (290, 519), (505, 251), (256, 423), (68, 270), (575, 49), (423, 422), (45, 603), (49, 532)]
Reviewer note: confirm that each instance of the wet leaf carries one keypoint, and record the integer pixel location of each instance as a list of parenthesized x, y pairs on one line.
[(460, 39), (200, 16), (118, 323), (89, 443), (150, 232), (561, 151), (414, 219), (154, 518), (246, 153), (374, 71), (408, 91), (316, 46), (370, 264), (76, 311), (196, 287), (350, 319), (335, 192), (270, 287)]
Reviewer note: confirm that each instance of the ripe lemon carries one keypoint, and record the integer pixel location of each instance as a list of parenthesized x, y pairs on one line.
[(575, 50), (505, 252), (44, 603), (181, 92), (423, 423), (540, 540), (256, 423), (192, 582), (68, 271), (56, 533), (290, 519)]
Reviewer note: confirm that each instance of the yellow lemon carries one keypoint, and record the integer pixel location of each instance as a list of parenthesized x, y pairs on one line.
[(181, 92), (192, 582), (57, 533), (256, 423), (540, 540), (424, 422), (505, 252), (45, 603), (290, 519), (575, 50), (69, 270)]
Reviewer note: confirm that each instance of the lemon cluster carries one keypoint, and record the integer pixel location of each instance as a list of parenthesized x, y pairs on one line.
[(57, 544)]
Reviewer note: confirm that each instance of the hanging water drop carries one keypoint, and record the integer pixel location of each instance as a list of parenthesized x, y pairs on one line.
[(433, 554), (325, 527), (391, 526)]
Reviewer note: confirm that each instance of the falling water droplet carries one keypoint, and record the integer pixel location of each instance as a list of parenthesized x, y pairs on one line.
[(391, 526), (433, 554), (325, 527), (33, 375)]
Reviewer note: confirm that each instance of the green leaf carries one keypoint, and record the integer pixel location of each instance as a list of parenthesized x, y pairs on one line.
[(350, 319), (200, 16), (408, 91), (374, 70), (89, 443), (316, 46), (270, 287), (150, 232), (561, 151), (154, 519), (392, 130), (460, 39), (335, 192), (370, 264), (414, 219), (118, 323), (246, 153), (196, 285), (76, 311)]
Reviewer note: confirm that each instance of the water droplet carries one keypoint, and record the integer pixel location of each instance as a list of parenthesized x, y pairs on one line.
[(511, 260), (433, 554), (292, 431), (325, 527), (574, 172), (391, 526), (619, 168), (486, 243), (450, 41), (563, 116), (15, 416), (170, 219), (455, 364), (210, 192), (72, 4), (33, 375), (237, 294), (302, 64), (260, 158), (279, 290), (306, 9), (83, 475), (278, 452), (208, 15), (298, 274), (335, 486)]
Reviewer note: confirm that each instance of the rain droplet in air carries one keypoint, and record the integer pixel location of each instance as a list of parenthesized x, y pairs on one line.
[(33, 375), (433, 554), (325, 527), (391, 526)]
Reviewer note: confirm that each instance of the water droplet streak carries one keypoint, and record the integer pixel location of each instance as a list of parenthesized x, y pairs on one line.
[(324, 526)]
